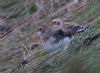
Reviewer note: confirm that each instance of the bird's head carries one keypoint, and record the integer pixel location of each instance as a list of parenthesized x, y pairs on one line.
[(43, 31), (56, 24)]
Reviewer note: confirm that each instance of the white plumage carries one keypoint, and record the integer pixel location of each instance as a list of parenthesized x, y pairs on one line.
[(49, 45)]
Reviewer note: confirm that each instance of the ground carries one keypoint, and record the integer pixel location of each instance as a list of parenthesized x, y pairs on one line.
[(24, 16)]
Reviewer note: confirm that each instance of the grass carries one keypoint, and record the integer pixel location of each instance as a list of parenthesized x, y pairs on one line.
[(32, 8), (82, 59)]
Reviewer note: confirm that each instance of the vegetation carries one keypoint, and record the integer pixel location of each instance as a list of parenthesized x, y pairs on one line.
[(32, 8), (77, 58)]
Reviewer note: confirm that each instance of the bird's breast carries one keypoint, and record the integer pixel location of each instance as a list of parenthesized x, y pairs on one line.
[(49, 45)]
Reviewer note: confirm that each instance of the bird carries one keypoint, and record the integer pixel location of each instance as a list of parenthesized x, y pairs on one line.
[(53, 40), (59, 34)]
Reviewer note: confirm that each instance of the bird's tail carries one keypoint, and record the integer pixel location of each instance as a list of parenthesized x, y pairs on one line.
[(80, 29)]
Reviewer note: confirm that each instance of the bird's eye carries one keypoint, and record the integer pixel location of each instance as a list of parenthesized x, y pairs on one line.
[(40, 29), (54, 22)]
